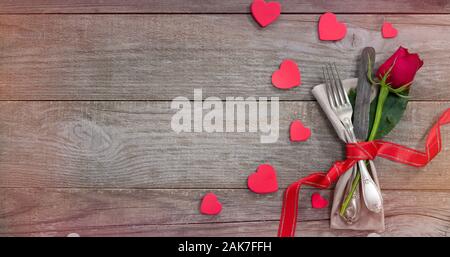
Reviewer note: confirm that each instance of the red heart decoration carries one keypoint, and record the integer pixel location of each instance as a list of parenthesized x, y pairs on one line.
[(388, 31), (330, 28), (265, 13), (264, 180), (210, 205), (298, 132), (288, 76), (318, 202)]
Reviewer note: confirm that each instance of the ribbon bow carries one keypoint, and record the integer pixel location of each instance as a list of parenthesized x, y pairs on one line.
[(354, 153)]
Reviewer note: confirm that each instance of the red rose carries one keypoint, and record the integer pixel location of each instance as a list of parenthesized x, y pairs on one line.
[(404, 67)]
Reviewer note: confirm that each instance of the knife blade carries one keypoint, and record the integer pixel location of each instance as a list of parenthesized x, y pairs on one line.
[(363, 91)]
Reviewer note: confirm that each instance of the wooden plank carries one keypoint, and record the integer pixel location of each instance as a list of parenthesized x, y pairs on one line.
[(218, 6), (398, 226), (160, 57), (136, 212), (131, 145)]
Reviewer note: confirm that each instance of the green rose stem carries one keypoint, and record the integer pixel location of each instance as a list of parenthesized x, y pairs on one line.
[(384, 92), (382, 96)]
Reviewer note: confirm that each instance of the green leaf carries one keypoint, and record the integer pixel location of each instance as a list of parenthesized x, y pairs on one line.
[(393, 110)]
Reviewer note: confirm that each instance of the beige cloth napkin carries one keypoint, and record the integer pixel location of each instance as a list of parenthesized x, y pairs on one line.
[(368, 220)]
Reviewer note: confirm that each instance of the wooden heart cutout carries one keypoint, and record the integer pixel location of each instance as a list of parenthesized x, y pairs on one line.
[(330, 28), (388, 31), (210, 205), (265, 13), (288, 76), (298, 132), (318, 202), (264, 180)]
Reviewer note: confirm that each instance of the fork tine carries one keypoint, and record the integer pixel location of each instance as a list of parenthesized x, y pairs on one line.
[(337, 89), (328, 87), (333, 88), (342, 94)]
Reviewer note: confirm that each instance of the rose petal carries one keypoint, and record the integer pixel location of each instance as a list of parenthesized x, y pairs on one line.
[(401, 51), (405, 70)]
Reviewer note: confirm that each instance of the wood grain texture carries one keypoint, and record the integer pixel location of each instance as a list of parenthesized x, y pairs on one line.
[(131, 145), (135, 212), (159, 57), (220, 6), (115, 168)]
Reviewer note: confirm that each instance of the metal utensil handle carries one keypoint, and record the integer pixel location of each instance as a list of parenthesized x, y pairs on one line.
[(370, 191), (352, 212)]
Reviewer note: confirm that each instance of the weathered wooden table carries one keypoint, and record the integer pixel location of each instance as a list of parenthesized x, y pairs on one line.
[(85, 140)]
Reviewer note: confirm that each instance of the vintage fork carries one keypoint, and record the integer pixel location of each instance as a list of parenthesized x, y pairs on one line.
[(342, 107)]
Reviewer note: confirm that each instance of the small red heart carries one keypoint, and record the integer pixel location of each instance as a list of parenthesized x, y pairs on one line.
[(210, 205), (288, 76), (318, 202), (265, 13), (299, 132), (330, 28), (388, 31), (264, 180)]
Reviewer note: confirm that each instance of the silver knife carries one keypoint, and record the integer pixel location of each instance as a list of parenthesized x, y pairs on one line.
[(361, 128), (363, 90)]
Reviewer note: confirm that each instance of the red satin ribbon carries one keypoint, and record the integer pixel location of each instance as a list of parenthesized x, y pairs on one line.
[(355, 152)]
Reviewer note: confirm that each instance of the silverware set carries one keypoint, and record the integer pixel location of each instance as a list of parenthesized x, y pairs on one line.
[(341, 106)]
